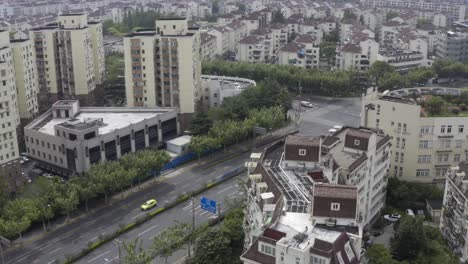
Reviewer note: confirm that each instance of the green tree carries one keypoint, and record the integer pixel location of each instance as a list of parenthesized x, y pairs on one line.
[(391, 15), (277, 17), (378, 69), (333, 36), (348, 14), (201, 123), (328, 51), (135, 252), (378, 254), (212, 247), (434, 105), (410, 238), (171, 240), (232, 227)]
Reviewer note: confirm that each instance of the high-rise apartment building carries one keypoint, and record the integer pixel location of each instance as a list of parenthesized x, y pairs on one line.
[(452, 46), (9, 167), (26, 77), (423, 147), (163, 67), (70, 59)]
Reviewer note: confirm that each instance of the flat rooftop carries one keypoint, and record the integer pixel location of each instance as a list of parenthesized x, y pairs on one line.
[(113, 118)]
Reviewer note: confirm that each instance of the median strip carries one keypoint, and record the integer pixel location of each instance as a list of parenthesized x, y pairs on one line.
[(138, 221)]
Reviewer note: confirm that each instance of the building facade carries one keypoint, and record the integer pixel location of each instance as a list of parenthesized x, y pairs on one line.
[(26, 78), (69, 138), (70, 59), (9, 115), (454, 210), (163, 67), (423, 148), (452, 46)]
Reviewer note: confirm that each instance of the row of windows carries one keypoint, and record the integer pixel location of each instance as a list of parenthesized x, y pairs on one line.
[(44, 155), (43, 144), (444, 143), (7, 155)]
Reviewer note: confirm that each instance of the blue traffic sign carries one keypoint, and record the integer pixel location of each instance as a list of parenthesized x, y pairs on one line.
[(208, 205)]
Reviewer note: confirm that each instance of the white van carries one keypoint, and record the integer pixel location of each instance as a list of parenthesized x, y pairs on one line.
[(410, 212)]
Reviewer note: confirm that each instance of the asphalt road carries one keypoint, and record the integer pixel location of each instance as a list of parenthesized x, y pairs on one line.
[(109, 253), (327, 113), (54, 246)]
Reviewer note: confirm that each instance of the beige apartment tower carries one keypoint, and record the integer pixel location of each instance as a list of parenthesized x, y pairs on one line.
[(163, 67), (9, 120), (26, 78), (70, 59), (423, 147)]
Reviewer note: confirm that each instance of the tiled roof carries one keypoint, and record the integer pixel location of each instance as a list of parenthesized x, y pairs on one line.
[(250, 40), (350, 47), (305, 39), (335, 191)]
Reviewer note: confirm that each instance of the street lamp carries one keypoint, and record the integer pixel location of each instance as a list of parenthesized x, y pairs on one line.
[(46, 214), (118, 242)]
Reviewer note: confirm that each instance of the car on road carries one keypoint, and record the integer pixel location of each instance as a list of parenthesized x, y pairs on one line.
[(237, 86), (149, 204), (410, 212), (307, 104), (392, 217)]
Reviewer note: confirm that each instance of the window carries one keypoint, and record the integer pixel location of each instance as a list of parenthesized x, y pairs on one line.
[(425, 130), (335, 206), (399, 127), (425, 144), (267, 249), (444, 143), (403, 143), (349, 251), (395, 171), (442, 129), (318, 260), (456, 158), (422, 173), (461, 128), (424, 159), (397, 156), (449, 129), (298, 260), (402, 157), (282, 257), (302, 152), (397, 145), (357, 142), (400, 174), (458, 143), (404, 128)]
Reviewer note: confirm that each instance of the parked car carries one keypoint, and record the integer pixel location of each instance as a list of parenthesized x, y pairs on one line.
[(410, 212), (392, 217), (237, 86), (149, 204), (307, 104)]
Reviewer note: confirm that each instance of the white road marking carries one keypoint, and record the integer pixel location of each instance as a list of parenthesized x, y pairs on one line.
[(138, 215), (225, 189), (151, 237), (52, 252), (107, 261), (91, 260), (96, 237), (232, 194), (90, 223), (148, 230), (52, 261), (173, 198), (204, 213), (35, 261)]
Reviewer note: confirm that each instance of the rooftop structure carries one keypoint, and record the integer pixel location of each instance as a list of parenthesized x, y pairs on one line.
[(69, 138)]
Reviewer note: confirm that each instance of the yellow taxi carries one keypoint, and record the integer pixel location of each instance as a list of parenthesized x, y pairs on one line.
[(149, 204)]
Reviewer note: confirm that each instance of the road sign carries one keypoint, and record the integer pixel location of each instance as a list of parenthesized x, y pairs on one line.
[(259, 130), (208, 205)]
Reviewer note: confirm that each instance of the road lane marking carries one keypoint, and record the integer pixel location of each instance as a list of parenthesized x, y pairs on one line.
[(138, 215), (225, 189), (52, 252), (151, 237), (52, 261), (148, 230), (91, 260), (171, 192), (204, 213), (111, 259), (90, 223), (35, 261), (232, 194)]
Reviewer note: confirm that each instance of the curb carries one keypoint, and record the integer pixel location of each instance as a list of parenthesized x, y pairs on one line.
[(90, 248)]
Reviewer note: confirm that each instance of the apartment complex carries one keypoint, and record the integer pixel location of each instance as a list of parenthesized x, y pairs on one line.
[(320, 193), (70, 59), (69, 138), (9, 119), (26, 77), (163, 67), (452, 46), (454, 210), (423, 147)]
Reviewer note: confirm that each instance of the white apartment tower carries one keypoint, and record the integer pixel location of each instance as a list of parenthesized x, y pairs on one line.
[(163, 67), (9, 120), (70, 59), (26, 77), (423, 147)]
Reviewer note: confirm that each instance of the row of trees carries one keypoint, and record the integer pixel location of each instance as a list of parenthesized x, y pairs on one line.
[(335, 83), (402, 194), (220, 244), (413, 243), (44, 199), (227, 132)]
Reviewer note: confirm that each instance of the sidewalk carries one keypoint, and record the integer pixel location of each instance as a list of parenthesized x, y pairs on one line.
[(212, 159)]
